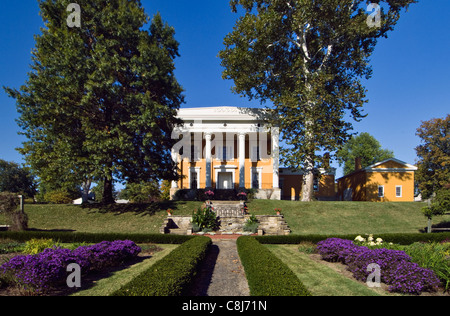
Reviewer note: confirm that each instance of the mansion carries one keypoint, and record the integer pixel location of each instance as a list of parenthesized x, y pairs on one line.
[(230, 148)]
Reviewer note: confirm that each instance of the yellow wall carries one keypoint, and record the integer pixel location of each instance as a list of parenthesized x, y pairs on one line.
[(292, 187), (365, 184)]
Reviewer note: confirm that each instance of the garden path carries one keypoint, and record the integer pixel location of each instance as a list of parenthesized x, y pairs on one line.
[(221, 273)]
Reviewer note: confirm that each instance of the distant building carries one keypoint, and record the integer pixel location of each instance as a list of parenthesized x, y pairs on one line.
[(391, 180)]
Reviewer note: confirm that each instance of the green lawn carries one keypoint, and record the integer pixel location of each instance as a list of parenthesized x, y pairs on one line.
[(106, 286), (318, 278), (303, 218), (349, 217)]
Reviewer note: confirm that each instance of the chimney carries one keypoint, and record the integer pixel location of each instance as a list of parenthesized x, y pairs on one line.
[(358, 165)]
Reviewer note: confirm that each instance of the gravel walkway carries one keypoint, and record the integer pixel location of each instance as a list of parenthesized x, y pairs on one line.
[(221, 273)]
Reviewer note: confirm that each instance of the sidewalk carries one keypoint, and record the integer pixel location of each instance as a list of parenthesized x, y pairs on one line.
[(221, 273)]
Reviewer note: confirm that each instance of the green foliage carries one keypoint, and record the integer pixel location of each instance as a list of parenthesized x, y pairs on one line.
[(205, 219), (60, 196), (100, 101), (433, 172), (440, 204), (171, 275), (266, 274), (165, 190), (9, 203), (35, 246), (16, 179), (308, 59), (363, 146), (435, 256), (143, 192), (402, 239), (251, 225)]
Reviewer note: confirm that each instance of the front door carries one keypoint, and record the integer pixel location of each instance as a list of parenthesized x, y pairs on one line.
[(225, 180)]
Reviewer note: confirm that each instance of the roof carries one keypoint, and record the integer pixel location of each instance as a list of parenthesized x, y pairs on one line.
[(222, 113), (374, 167)]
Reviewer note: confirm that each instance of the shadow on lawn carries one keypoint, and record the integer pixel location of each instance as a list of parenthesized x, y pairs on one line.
[(143, 209)]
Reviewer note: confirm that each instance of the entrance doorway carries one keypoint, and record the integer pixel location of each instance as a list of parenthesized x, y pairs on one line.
[(225, 180)]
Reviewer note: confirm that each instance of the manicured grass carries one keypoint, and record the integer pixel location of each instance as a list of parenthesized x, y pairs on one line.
[(348, 217), (303, 218), (107, 286), (131, 218), (318, 278)]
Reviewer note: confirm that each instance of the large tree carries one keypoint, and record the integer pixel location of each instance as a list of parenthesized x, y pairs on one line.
[(101, 98), (363, 146), (308, 58), (433, 173)]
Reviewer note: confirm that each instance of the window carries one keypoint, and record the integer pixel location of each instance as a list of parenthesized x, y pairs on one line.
[(195, 153), (194, 180), (256, 177), (255, 154), (398, 191), (381, 191), (316, 184)]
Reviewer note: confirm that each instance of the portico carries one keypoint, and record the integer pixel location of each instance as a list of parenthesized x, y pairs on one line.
[(227, 148)]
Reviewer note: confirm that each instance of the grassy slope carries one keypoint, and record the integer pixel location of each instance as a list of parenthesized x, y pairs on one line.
[(303, 218)]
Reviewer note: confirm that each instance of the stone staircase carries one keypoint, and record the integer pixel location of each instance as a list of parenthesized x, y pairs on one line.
[(272, 225), (177, 225)]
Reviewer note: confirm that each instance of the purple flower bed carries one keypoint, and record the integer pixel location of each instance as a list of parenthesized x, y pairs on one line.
[(397, 270), (47, 269)]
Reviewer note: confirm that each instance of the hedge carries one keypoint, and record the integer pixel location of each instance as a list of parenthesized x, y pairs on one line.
[(171, 275), (266, 274), (402, 239), (70, 237)]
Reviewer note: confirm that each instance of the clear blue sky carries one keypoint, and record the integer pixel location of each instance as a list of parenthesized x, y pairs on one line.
[(411, 81)]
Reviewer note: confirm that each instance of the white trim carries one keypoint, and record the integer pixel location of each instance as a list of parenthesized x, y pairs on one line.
[(389, 169), (196, 170), (401, 191), (227, 169), (378, 193), (259, 173), (408, 166)]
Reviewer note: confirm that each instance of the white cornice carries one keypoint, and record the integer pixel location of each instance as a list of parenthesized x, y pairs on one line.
[(223, 113)]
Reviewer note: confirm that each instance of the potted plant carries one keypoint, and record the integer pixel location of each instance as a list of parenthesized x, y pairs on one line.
[(169, 212), (242, 196), (278, 211), (209, 194)]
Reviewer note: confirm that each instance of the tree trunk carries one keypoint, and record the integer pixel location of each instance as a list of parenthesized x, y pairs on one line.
[(308, 181), (107, 197), (86, 187)]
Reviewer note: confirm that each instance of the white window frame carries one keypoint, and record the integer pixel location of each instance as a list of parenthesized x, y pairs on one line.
[(401, 191), (258, 171), (197, 171), (380, 196)]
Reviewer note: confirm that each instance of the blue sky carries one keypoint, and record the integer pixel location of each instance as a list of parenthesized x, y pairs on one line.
[(410, 83)]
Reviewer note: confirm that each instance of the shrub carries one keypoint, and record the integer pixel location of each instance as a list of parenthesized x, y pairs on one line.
[(60, 196), (205, 219), (266, 274), (397, 270), (171, 275), (35, 246), (39, 273), (251, 225)]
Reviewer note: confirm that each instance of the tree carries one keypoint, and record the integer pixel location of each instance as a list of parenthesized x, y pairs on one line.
[(363, 146), (433, 171), (307, 58), (16, 179), (101, 99), (439, 205)]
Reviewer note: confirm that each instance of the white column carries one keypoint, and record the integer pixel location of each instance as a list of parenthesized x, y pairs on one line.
[(276, 156), (208, 160), (241, 160), (175, 159)]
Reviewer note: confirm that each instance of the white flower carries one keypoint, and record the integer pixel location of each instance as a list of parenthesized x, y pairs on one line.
[(379, 240), (371, 243), (360, 239)]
